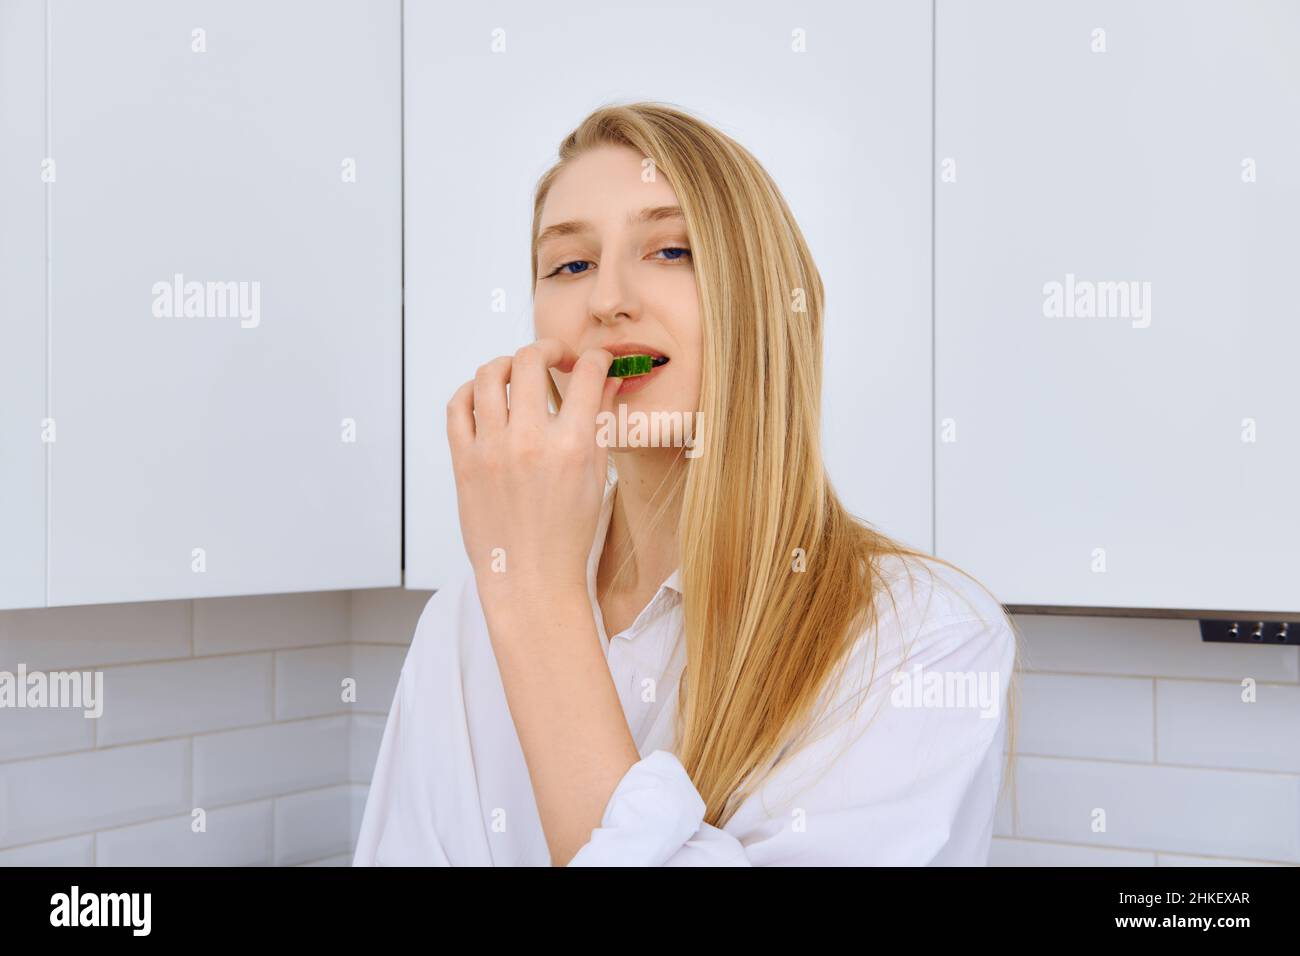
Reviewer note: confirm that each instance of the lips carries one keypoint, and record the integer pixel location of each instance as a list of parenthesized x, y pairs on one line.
[(657, 358), (634, 383)]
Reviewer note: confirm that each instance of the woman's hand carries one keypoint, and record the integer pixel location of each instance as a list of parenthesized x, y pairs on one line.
[(529, 483)]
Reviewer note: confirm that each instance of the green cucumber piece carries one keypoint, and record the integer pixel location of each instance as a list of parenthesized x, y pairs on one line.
[(624, 366)]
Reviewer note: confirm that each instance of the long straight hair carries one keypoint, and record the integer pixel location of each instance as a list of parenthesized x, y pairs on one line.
[(762, 643)]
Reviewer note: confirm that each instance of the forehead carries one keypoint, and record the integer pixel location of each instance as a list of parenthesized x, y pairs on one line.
[(602, 186)]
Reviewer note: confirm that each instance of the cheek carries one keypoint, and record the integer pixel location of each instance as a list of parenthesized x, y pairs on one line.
[(544, 323), (685, 307), (694, 383), (551, 321)]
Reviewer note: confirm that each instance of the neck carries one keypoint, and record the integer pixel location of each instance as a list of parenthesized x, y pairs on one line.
[(641, 543)]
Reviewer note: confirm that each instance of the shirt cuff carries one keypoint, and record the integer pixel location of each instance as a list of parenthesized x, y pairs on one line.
[(653, 812)]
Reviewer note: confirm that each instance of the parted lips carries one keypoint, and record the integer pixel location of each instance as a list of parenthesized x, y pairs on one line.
[(627, 365)]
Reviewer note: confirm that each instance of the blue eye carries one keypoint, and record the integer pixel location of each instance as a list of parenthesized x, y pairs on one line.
[(564, 266)]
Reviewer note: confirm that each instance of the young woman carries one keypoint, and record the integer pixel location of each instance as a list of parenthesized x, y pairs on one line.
[(664, 655)]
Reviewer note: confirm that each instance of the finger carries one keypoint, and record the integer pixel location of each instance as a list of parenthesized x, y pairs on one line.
[(530, 379), (586, 389), (608, 397), (460, 417), (606, 436), (490, 395)]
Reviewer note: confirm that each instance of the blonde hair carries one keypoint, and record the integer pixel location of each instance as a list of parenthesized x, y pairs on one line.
[(762, 643)]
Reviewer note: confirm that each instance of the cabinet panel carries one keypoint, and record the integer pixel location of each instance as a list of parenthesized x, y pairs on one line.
[(1116, 331), (22, 304), (242, 436), (843, 127)]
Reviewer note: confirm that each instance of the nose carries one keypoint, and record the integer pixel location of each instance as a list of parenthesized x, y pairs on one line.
[(612, 297)]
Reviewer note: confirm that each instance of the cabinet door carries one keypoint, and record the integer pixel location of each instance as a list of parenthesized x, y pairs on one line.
[(1116, 331), (834, 101), (22, 304), (224, 321)]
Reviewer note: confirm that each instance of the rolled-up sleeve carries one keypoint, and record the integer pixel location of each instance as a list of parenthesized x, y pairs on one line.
[(654, 816), (907, 781)]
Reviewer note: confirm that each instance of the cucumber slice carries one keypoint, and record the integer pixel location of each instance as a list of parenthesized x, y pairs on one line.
[(625, 366)]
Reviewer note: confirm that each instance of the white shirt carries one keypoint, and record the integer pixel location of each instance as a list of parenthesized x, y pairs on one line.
[(895, 785)]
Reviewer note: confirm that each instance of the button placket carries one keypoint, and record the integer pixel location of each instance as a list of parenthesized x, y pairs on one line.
[(632, 657), (657, 661)]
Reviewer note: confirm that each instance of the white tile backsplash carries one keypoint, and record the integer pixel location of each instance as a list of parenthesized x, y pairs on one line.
[(359, 794), (73, 851), (1174, 859), (386, 615), (367, 732), (240, 765), (1154, 807), (309, 683), (1146, 647), (39, 732), (312, 826), (1040, 853), (75, 793), (234, 705), (149, 701), (270, 621), (1218, 724), (1067, 715), (74, 638), (229, 836), (377, 670)]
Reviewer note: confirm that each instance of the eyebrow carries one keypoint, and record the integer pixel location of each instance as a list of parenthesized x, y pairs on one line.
[(576, 226)]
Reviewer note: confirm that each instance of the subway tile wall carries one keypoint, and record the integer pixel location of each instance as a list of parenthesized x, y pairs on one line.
[(1134, 744), (1137, 746), (234, 706)]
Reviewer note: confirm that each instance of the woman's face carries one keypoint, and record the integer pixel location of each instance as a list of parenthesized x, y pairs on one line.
[(619, 271)]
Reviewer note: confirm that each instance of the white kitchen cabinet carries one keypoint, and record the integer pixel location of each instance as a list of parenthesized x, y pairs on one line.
[(843, 127), (245, 437), (1140, 454), (22, 304)]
